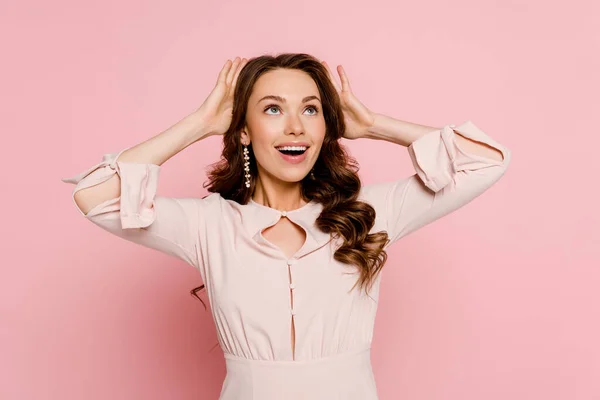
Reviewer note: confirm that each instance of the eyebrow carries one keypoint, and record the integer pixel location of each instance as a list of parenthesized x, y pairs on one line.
[(282, 100)]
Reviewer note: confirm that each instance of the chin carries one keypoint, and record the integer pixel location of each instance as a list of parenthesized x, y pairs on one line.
[(291, 177), (294, 179)]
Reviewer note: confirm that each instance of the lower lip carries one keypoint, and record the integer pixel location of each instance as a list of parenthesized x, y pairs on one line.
[(293, 159)]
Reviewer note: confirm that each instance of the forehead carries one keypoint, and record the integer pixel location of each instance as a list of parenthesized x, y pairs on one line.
[(288, 83)]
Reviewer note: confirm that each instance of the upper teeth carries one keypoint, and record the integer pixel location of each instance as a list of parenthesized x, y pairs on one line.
[(293, 148)]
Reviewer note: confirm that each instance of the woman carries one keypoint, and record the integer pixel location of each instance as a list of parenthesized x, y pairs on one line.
[(289, 245)]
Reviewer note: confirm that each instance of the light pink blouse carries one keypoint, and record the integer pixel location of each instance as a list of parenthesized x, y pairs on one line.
[(248, 278)]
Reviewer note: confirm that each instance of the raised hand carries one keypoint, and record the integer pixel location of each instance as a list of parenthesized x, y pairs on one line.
[(357, 117), (217, 109)]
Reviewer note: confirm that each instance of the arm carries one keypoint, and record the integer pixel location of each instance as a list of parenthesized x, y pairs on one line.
[(154, 151), (119, 194), (404, 133), (453, 166)]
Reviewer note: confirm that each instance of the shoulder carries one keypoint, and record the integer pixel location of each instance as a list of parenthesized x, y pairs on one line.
[(374, 194), (216, 205), (211, 203), (211, 198)]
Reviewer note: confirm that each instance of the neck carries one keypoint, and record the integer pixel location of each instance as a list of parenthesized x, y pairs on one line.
[(282, 196)]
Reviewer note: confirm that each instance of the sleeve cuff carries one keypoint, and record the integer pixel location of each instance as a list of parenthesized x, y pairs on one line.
[(437, 158), (139, 184)]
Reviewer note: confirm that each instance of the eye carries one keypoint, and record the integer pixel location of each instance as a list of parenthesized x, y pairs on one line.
[(316, 110), (271, 106), (276, 107)]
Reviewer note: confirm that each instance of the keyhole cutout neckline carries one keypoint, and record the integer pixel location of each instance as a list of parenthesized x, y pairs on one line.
[(305, 216)]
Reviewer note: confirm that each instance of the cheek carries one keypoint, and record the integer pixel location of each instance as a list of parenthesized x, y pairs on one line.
[(319, 129), (264, 136), (265, 130), (319, 135)]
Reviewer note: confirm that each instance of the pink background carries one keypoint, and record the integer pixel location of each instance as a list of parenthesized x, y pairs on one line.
[(499, 300)]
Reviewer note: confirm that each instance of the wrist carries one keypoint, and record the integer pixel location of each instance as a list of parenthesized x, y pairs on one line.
[(198, 126), (377, 128)]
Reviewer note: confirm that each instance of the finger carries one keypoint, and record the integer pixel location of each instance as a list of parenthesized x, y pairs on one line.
[(331, 78), (232, 70), (224, 71), (344, 78), (237, 73)]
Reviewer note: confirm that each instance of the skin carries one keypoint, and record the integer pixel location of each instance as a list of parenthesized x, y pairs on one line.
[(278, 186), (270, 122)]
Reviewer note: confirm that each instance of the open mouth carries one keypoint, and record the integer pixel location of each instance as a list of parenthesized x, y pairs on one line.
[(292, 150), (293, 154)]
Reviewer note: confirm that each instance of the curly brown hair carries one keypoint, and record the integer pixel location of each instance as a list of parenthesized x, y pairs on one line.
[(335, 184)]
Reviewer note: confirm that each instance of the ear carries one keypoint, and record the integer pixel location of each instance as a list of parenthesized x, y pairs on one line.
[(245, 138)]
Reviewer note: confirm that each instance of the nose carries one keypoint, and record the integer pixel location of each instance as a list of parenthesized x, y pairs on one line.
[(294, 125)]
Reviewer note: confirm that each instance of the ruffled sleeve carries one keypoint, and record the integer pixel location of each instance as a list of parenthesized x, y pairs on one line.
[(447, 177), (170, 225)]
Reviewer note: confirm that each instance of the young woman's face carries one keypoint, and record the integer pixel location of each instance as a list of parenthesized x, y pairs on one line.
[(293, 118)]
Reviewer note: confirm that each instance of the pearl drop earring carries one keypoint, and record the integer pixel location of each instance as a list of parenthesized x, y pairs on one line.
[(247, 166)]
